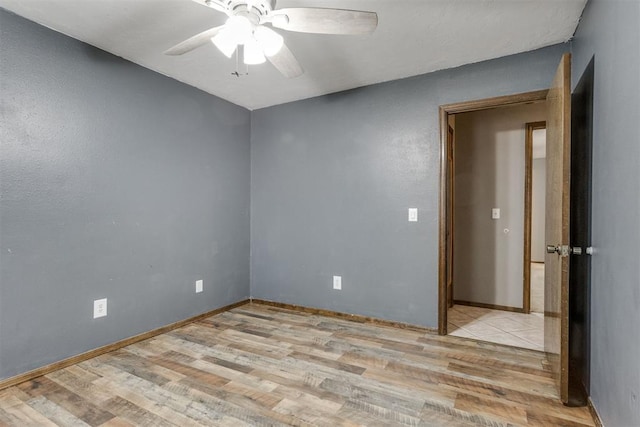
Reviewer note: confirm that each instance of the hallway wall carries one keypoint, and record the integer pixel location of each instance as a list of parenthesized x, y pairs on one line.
[(490, 173)]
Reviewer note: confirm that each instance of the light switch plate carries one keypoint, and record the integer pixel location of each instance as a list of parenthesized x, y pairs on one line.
[(337, 283), (199, 286), (413, 214), (99, 308), (495, 213)]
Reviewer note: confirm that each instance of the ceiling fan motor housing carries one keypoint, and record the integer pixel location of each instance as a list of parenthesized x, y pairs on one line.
[(257, 7)]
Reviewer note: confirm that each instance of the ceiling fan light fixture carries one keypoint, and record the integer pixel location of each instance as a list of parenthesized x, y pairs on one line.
[(224, 43), (239, 29), (245, 27), (270, 41), (253, 54)]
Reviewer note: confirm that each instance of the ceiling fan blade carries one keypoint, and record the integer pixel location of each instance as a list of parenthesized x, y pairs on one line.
[(286, 63), (193, 42), (326, 21)]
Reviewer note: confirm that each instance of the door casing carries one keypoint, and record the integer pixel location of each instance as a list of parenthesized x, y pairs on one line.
[(445, 215), (450, 209)]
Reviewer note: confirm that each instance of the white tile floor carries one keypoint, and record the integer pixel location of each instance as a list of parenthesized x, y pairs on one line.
[(502, 327)]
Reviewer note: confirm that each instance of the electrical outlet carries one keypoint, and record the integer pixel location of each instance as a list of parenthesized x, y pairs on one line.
[(199, 286), (99, 308), (337, 283), (413, 214)]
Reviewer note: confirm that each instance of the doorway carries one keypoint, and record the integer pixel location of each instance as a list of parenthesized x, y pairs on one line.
[(558, 203), (446, 212), (490, 155)]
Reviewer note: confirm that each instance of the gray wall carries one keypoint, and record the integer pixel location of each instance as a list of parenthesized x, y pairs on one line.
[(115, 182), (611, 31), (489, 173), (332, 178)]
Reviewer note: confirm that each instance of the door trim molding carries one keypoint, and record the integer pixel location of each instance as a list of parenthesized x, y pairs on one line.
[(444, 111), (594, 413), (451, 205)]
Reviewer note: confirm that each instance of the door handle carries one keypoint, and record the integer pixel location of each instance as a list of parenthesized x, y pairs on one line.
[(562, 250), (551, 249)]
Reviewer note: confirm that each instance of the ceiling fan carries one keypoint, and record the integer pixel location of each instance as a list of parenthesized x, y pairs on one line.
[(247, 32)]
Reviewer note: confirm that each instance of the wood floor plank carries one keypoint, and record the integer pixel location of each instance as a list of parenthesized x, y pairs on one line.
[(55, 413), (499, 365), (117, 422), (72, 402), (433, 410), (417, 386), (170, 409), (190, 372), (310, 410), (261, 406), (266, 400), (539, 385), (143, 367), (295, 385), (536, 418), (260, 365), (220, 401), (330, 363), (384, 414), (14, 411), (491, 408), (379, 398), (134, 414), (364, 360)]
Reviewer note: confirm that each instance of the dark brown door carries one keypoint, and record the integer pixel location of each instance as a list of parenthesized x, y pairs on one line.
[(556, 282), (580, 268)]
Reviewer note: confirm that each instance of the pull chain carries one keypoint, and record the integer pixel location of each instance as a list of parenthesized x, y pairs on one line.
[(237, 72)]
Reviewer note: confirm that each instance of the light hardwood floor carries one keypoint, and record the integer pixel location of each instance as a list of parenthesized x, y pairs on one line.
[(260, 365)]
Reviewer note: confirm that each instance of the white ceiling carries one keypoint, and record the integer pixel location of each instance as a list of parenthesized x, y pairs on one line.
[(413, 37)]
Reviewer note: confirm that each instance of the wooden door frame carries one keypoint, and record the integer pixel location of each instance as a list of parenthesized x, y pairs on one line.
[(445, 110), (528, 210), (451, 204)]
